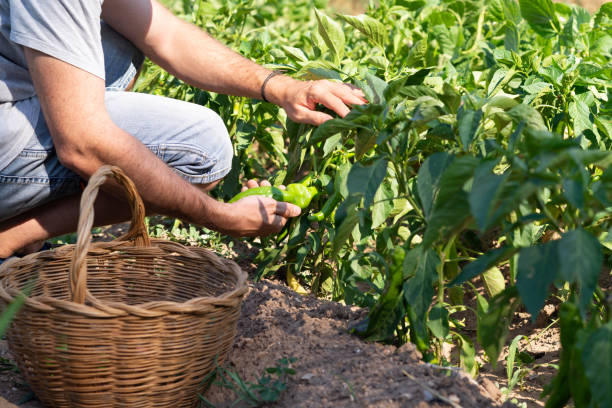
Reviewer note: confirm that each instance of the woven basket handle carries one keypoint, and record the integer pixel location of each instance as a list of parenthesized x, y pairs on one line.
[(136, 233)]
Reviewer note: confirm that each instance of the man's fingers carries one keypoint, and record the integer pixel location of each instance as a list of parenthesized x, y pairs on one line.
[(349, 94), (334, 103), (311, 117), (358, 92), (253, 183), (287, 210), (278, 222)]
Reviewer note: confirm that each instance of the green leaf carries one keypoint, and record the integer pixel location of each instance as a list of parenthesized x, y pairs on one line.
[(512, 354), (266, 257), (525, 113), (597, 361), (347, 217), (446, 219), (468, 122), (428, 179), (365, 140), (412, 5), (581, 115), (573, 191), (494, 323), (511, 11), (365, 180), (421, 268), (541, 16), (331, 143), (604, 10), (536, 88), (373, 29), (373, 88), (295, 53), (500, 78), (538, 267), (511, 39), (494, 281), (384, 316), (329, 128), (417, 54), (443, 36), (383, 205), (316, 72), (467, 356), (438, 321), (332, 34), (451, 207), (581, 260), (483, 263), (10, 311), (486, 189)]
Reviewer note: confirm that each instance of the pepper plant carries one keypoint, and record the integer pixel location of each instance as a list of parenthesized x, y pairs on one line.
[(483, 151)]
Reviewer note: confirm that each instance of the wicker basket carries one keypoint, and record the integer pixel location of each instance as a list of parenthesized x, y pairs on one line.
[(129, 323)]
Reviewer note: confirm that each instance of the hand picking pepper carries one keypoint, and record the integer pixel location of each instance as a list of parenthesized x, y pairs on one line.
[(296, 193)]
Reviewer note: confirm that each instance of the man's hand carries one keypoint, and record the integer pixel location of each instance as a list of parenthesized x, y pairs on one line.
[(300, 98), (256, 215)]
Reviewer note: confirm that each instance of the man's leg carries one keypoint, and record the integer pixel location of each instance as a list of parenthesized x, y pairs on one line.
[(44, 195), (26, 233)]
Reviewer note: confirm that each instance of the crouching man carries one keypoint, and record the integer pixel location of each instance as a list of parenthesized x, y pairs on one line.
[(64, 65)]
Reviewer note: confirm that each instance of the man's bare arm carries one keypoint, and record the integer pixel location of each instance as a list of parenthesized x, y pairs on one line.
[(85, 138), (194, 56)]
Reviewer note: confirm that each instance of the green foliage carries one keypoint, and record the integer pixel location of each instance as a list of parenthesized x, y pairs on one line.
[(266, 390), (483, 152)]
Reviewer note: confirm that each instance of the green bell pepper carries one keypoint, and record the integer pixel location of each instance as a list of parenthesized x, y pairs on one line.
[(295, 193), (329, 206)]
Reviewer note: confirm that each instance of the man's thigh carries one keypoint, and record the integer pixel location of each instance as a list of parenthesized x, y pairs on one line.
[(191, 139)]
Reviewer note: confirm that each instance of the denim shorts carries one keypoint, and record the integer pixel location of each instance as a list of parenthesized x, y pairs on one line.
[(191, 139)]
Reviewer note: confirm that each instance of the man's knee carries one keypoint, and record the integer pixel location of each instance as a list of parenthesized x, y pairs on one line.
[(205, 156), (208, 186)]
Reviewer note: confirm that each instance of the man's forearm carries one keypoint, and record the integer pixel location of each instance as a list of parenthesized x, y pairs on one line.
[(195, 57), (188, 52), (204, 62), (163, 190)]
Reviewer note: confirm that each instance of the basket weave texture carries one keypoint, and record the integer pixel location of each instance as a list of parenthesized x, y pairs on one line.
[(129, 323)]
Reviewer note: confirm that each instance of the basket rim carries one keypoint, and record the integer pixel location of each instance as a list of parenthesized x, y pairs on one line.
[(107, 309)]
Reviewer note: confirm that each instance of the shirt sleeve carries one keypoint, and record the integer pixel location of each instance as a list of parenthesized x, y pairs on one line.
[(68, 30)]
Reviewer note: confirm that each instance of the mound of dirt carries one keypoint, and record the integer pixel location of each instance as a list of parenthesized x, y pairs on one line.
[(333, 367)]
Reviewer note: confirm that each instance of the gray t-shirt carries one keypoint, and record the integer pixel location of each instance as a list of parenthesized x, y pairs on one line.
[(68, 30)]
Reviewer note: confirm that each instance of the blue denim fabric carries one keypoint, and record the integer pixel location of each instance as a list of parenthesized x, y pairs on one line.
[(190, 138)]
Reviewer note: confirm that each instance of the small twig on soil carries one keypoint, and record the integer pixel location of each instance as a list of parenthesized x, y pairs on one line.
[(456, 371), (433, 392), (439, 367)]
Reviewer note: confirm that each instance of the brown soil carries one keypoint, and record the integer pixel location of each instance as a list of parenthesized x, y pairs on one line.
[(333, 368)]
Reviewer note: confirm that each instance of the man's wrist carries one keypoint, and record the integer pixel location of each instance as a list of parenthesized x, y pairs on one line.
[(265, 82), (276, 88), (212, 215)]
